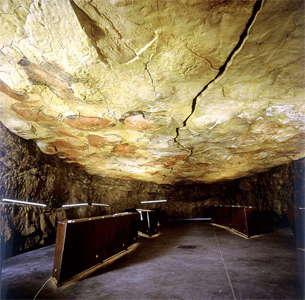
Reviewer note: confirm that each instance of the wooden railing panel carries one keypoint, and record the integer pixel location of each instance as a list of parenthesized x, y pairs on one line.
[(149, 221), (239, 219), (82, 244), (246, 220)]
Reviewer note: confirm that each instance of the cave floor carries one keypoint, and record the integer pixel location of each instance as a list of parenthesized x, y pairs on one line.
[(188, 261)]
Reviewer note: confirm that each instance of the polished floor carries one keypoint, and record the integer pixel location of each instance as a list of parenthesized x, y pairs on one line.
[(188, 261)]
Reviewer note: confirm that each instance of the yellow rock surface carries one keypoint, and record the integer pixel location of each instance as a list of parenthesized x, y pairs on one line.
[(163, 91)]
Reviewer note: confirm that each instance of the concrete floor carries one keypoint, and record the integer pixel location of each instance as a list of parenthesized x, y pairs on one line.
[(188, 261)]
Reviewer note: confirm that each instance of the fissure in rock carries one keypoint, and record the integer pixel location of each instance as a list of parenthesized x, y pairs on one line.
[(243, 37)]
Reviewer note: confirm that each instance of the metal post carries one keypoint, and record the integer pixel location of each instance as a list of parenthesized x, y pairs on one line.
[(148, 220)]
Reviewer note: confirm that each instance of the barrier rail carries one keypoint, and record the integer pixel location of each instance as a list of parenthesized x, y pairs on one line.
[(84, 245)]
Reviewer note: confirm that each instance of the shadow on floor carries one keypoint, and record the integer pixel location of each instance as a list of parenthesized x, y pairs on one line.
[(150, 249)]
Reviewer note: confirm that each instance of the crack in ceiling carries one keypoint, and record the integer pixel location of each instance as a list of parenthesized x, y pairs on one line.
[(108, 85), (243, 37)]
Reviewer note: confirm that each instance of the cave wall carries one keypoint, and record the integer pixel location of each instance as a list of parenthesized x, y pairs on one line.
[(272, 190), (299, 220), (28, 174)]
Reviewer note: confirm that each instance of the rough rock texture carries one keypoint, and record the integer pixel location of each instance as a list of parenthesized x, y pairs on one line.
[(299, 216), (163, 91), (27, 227), (28, 174)]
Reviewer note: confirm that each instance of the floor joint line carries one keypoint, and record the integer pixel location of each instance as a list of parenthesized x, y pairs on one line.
[(225, 266)]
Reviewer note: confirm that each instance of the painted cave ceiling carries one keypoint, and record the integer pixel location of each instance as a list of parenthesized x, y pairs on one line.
[(163, 91)]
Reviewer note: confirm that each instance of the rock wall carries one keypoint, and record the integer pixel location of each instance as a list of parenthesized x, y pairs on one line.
[(299, 218), (272, 190), (28, 174)]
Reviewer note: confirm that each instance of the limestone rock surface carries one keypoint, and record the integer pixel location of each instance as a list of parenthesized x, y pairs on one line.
[(48, 179), (162, 91)]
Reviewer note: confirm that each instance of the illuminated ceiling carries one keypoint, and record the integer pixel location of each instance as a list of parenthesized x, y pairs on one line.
[(163, 91)]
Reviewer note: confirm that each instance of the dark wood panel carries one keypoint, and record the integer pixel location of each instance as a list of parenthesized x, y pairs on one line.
[(149, 221), (260, 222), (60, 239), (84, 243), (239, 219), (222, 215), (247, 220)]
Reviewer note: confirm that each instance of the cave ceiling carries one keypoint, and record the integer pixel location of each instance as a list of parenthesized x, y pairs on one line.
[(162, 91)]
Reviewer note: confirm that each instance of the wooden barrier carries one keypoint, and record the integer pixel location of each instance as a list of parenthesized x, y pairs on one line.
[(84, 245), (149, 222), (247, 221)]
